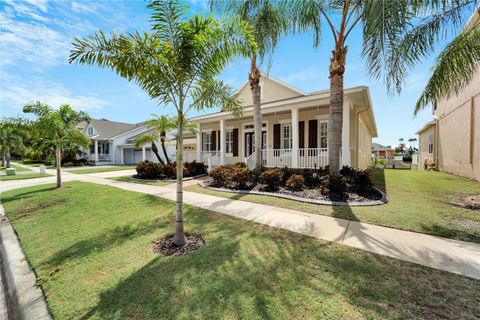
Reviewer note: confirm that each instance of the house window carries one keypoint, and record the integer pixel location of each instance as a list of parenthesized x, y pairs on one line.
[(286, 136), (323, 133), (90, 131), (229, 141), (430, 143), (207, 141)]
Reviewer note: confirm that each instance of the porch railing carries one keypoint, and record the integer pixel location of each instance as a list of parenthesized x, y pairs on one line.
[(250, 161), (277, 157), (312, 157)]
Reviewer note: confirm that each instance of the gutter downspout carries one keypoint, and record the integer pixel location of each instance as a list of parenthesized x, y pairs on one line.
[(356, 134)]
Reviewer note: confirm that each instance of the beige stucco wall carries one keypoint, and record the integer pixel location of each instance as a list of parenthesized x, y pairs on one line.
[(459, 131), (363, 140), (271, 91), (423, 154)]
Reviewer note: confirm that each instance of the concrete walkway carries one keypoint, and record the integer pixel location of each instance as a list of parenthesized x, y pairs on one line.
[(439, 253)]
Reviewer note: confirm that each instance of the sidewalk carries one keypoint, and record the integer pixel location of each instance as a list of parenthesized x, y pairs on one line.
[(439, 253)]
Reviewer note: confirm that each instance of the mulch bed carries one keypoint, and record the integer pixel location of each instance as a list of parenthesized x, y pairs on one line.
[(166, 247), (366, 195)]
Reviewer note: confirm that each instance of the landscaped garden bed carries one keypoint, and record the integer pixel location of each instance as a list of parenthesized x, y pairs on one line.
[(151, 171), (351, 187)]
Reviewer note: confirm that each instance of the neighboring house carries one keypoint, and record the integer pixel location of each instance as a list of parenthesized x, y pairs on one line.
[(452, 140), (295, 128), (113, 142), (382, 152)]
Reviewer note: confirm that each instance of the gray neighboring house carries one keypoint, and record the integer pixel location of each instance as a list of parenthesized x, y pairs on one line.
[(112, 142)]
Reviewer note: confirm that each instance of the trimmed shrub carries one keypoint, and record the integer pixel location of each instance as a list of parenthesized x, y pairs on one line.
[(295, 182), (361, 178), (220, 175), (148, 170), (240, 177), (336, 187), (313, 178), (170, 170), (272, 178), (194, 168), (241, 165), (348, 172)]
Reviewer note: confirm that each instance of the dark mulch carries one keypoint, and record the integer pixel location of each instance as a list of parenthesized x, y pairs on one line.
[(166, 247), (319, 194)]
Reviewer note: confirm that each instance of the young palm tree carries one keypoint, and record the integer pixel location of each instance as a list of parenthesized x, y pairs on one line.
[(176, 64), (269, 23), (58, 127), (160, 125), (12, 136)]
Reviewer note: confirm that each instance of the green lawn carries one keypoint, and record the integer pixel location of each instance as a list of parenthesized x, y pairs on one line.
[(420, 201), (101, 169), (151, 183), (24, 176), (90, 246), (17, 168)]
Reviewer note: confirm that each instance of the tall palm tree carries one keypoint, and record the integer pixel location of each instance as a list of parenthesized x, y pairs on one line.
[(177, 64), (58, 127), (381, 21), (269, 23)]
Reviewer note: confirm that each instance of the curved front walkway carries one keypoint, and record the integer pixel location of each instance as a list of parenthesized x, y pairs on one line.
[(439, 253)]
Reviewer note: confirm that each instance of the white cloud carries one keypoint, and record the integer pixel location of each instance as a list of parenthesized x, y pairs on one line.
[(16, 92)]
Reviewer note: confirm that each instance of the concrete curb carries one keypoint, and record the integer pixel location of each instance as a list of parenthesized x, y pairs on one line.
[(167, 180), (383, 200), (27, 300)]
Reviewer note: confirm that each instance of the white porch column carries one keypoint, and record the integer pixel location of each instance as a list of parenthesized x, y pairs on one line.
[(295, 138), (199, 144), (121, 156), (222, 142), (345, 159), (112, 153), (96, 150), (143, 153)]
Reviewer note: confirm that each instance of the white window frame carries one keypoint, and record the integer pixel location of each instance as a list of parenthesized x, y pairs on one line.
[(205, 143), (319, 134), (288, 138), (229, 142), (430, 143), (90, 131)]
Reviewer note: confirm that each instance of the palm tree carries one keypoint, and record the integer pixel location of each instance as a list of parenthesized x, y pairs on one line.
[(58, 127), (160, 125), (12, 136), (381, 21), (176, 64), (269, 23)]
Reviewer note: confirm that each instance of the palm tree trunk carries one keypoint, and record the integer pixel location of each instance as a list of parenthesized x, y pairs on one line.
[(7, 158), (254, 79), (155, 150), (58, 155), (179, 239), (162, 141), (335, 120), (3, 159)]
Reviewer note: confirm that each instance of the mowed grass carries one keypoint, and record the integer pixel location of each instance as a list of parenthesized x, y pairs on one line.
[(151, 183), (90, 246), (17, 168), (24, 176), (102, 169), (419, 201)]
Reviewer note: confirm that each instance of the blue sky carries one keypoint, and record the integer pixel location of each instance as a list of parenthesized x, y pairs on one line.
[(36, 37)]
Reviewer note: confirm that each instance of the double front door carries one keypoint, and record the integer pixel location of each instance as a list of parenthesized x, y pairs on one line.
[(250, 142)]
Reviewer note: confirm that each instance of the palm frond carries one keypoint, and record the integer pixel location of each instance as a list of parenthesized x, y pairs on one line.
[(456, 65)]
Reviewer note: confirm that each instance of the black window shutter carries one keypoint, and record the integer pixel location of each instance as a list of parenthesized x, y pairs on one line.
[(235, 142), (312, 133), (214, 140), (276, 136), (301, 134)]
